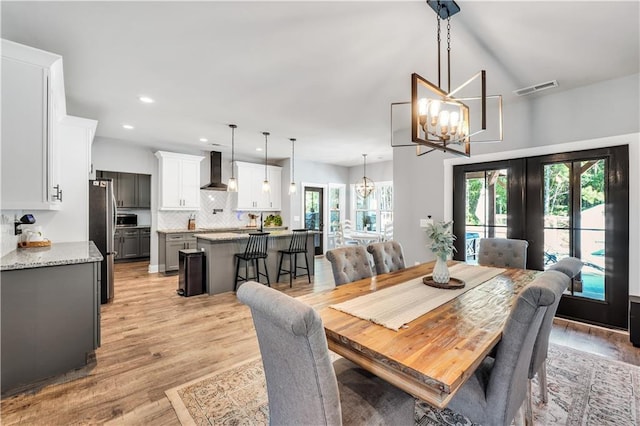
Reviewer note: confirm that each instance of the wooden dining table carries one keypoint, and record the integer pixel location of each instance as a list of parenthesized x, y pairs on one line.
[(432, 356)]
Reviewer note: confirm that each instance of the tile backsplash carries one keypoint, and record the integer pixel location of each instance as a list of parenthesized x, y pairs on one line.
[(9, 241), (205, 218)]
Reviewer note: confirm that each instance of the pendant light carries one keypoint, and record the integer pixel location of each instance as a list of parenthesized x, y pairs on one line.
[(266, 186), (366, 186), (292, 187), (232, 184)]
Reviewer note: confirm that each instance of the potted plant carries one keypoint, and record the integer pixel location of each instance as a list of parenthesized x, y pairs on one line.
[(442, 239)]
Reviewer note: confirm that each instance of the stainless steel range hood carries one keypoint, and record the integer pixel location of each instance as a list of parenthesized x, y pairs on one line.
[(215, 181)]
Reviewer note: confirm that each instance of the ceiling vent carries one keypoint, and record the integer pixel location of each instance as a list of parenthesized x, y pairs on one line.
[(536, 88)]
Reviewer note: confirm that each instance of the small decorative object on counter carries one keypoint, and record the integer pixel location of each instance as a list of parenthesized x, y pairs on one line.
[(192, 222), (442, 239)]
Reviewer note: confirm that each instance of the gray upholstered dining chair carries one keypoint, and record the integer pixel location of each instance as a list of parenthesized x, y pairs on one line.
[(349, 264), (387, 256), (559, 280), (498, 388), (503, 252), (303, 386), (570, 266)]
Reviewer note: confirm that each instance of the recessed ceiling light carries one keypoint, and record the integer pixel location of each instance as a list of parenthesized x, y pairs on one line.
[(145, 99), (258, 149), (204, 140), (127, 126)]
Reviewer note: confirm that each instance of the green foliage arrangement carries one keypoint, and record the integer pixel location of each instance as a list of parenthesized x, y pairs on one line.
[(442, 238), (272, 220)]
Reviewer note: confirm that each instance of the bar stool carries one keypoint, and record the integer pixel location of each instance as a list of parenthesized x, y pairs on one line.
[(256, 249), (297, 246)]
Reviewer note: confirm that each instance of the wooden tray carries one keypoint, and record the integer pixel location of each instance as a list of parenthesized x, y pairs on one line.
[(30, 244), (453, 283)]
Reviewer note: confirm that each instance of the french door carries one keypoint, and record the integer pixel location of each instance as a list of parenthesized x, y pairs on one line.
[(314, 214), (578, 205), (488, 203), (570, 204)]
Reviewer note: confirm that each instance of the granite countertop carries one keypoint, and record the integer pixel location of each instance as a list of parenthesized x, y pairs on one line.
[(220, 230), (230, 236), (55, 255)]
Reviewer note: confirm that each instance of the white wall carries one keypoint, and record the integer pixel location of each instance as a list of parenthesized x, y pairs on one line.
[(540, 125), (308, 172), (121, 156)]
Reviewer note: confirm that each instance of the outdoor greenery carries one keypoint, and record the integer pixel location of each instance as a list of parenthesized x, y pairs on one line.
[(557, 183), (475, 191)]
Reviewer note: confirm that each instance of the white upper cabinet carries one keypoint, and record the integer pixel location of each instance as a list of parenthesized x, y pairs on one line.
[(179, 181), (32, 106), (250, 195)]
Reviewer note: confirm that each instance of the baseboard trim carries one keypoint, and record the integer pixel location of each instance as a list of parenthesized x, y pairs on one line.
[(153, 269), (561, 321)]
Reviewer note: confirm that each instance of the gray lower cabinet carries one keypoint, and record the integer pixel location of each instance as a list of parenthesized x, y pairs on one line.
[(132, 243), (171, 244), (50, 321), (145, 242)]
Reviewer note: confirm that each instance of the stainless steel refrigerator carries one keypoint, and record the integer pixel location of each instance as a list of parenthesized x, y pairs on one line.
[(102, 227)]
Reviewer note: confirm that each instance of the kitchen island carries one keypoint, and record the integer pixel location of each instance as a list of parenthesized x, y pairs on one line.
[(220, 248), (50, 311)]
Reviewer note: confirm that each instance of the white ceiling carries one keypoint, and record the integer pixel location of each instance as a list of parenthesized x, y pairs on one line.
[(322, 72)]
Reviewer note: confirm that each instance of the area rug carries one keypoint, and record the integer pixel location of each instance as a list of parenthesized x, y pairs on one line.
[(584, 389)]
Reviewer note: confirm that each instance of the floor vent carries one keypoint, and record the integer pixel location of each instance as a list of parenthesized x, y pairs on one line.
[(536, 88)]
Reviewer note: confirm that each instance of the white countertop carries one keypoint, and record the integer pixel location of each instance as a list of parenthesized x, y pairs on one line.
[(55, 255)]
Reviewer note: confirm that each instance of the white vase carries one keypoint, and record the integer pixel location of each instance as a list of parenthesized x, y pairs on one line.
[(441, 271)]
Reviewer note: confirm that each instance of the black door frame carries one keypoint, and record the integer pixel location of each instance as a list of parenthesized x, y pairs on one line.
[(515, 199), (319, 238), (616, 234), (525, 197)]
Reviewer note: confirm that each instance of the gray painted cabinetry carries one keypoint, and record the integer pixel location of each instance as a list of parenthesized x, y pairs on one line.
[(132, 243), (172, 244), (50, 321), (131, 190)]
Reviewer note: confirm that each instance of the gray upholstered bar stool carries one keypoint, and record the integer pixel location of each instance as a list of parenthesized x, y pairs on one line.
[(303, 385), (255, 250), (387, 256), (503, 253), (298, 245), (349, 264)]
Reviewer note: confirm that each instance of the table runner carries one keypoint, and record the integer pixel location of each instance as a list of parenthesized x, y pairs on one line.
[(398, 305)]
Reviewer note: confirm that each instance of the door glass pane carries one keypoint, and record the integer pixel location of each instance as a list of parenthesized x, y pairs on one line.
[(575, 226), (557, 196), (592, 227), (486, 208), (312, 210)]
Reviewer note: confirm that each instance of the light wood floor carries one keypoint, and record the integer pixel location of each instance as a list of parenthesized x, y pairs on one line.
[(153, 340)]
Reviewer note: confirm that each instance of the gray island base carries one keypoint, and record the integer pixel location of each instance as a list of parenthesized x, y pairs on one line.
[(221, 267)]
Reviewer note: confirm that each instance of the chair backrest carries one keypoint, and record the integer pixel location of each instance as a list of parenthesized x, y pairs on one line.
[(298, 240), (257, 244), (507, 386), (570, 266), (301, 383), (387, 256), (503, 252), (557, 282), (349, 264)]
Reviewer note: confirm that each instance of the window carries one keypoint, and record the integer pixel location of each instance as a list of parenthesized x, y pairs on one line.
[(376, 211), (336, 206)]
